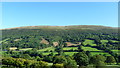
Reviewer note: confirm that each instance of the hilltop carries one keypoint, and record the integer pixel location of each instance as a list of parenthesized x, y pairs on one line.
[(63, 27)]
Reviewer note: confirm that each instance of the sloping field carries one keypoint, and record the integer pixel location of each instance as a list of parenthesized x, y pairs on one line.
[(24, 49), (47, 53), (90, 42), (116, 51), (84, 48), (114, 41), (49, 48), (4, 40), (104, 41), (70, 48), (90, 49)]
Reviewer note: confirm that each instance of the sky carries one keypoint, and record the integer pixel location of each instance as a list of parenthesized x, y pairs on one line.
[(59, 0), (17, 14)]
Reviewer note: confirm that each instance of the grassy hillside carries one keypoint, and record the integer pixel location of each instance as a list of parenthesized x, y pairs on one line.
[(61, 44)]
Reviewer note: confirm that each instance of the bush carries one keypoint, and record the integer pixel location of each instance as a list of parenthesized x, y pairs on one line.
[(70, 63)]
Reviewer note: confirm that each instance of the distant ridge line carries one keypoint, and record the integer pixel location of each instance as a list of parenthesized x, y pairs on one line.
[(48, 26)]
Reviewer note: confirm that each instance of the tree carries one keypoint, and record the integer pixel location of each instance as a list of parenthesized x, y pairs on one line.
[(24, 63), (88, 54), (51, 54), (81, 59), (59, 59), (59, 49), (19, 62), (110, 59), (100, 64), (38, 58), (98, 61), (70, 63), (28, 63), (97, 58), (48, 58), (25, 56), (34, 49), (43, 64), (80, 49), (8, 61)]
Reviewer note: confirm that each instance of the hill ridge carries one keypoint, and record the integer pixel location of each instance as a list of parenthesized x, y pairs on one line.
[(59, 27)]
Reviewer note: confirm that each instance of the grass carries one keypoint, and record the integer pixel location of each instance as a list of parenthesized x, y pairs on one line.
[(104, 41), (90, 49), (90, 42), (84, 48), (24, 49), (49, 48), (70, 53), (69, 48), (102, 53), (4, 40), (114, 41), (50, 64), (1, 52), (47, 53), (116, 51)]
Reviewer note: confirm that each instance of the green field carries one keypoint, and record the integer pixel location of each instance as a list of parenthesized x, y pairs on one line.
[(84, 48), (4, 40), (66, 53), (94, 50), (114, 41), (49, 49), (90, 49), (90, 42), (104, 41), (116, 51), (70, 53), (24, 49), (47, 53), (70, 48)]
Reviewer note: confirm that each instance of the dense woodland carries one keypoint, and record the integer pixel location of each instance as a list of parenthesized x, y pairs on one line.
[(31, 37)]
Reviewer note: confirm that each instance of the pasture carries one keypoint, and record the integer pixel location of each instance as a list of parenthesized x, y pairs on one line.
[(90, 49), (24, 49), (93, 51), (114, 41), (49, 49), (104, 41), (47, 53), (70, 48), (90, 42), (70, 53)]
